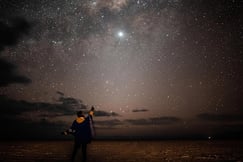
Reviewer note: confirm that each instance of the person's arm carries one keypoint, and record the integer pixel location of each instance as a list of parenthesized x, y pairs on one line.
[(91, 112), (71, 130)]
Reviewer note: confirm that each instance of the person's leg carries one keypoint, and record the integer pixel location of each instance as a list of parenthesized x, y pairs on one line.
[(75, 149), (84, 152)]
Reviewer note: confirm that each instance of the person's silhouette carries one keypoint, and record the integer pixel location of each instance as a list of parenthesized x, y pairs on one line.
[(83, 131)]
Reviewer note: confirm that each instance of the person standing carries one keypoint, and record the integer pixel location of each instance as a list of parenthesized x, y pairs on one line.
[(83, 131)]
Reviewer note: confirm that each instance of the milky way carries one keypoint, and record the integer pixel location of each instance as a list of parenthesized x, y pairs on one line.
[(145, 60)]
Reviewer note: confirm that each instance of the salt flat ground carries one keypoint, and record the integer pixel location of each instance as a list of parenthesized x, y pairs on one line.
[(124, 151)]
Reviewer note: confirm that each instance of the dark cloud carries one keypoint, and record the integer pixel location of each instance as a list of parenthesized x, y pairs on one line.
[(108, 123), (60, 93), (140, 110), (11, 107), (12, 30), (165, 120), (9, 75), (154, 121), (70, 101), (138, 121), (100, 113)]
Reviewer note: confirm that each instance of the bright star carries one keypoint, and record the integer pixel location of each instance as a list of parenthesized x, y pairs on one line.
[(120, 34)]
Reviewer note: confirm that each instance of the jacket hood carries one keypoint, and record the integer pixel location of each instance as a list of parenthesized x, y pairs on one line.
[(80, 120)]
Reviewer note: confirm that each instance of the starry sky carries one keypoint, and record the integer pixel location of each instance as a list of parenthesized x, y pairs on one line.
[(151, 68)]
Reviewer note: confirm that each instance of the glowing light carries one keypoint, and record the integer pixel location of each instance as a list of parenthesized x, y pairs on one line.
[(120, 34)]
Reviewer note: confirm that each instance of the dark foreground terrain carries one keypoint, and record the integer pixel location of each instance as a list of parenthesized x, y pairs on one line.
[(124, 151)]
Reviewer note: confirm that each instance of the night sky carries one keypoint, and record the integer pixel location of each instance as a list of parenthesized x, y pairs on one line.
[(151, 68)]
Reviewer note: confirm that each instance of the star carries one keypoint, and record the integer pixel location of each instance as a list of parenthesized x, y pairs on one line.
[(120, 34)]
